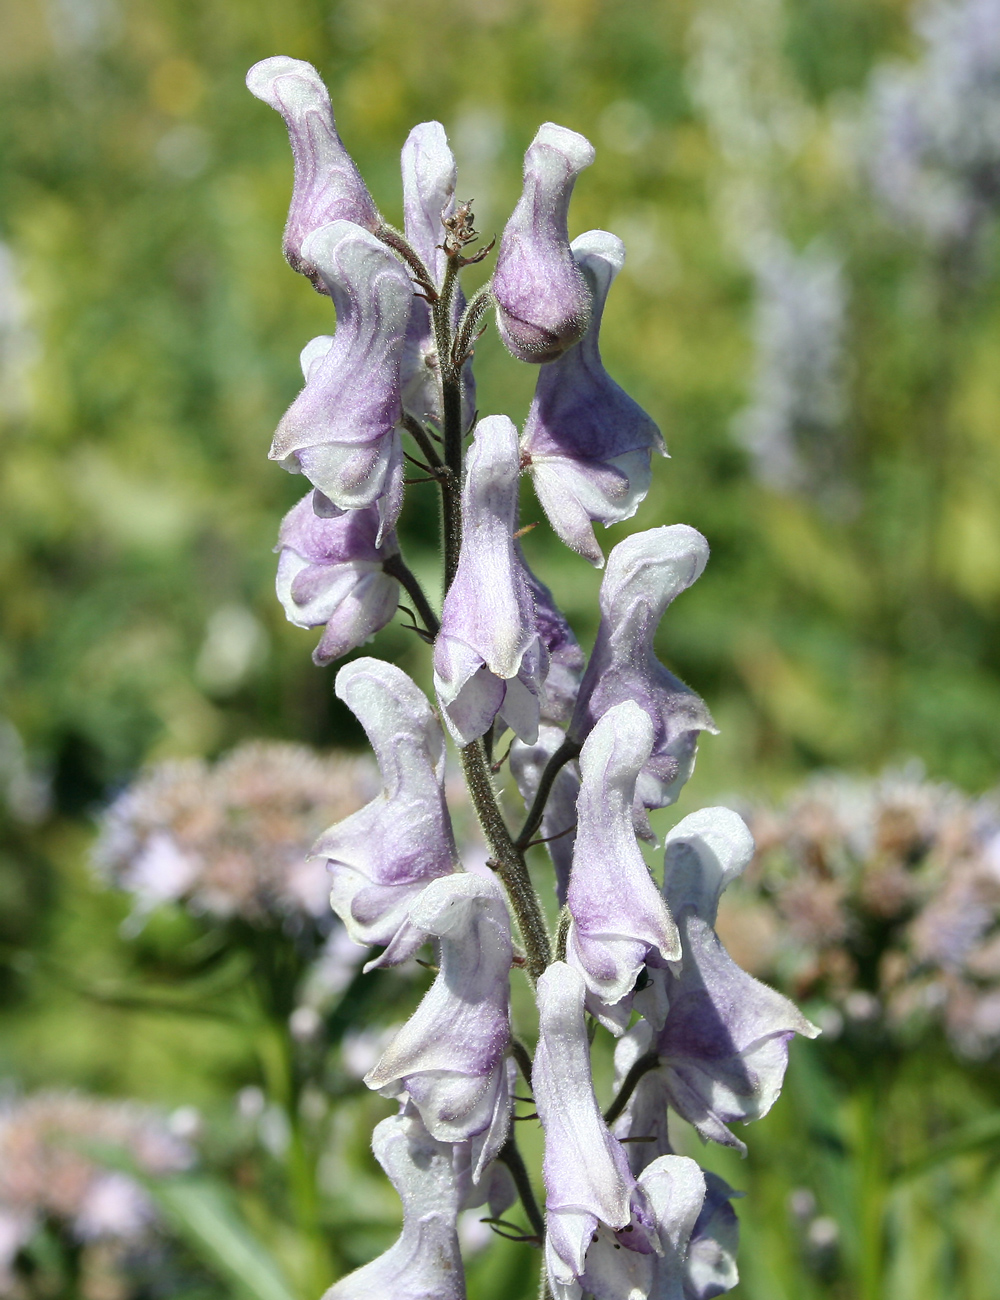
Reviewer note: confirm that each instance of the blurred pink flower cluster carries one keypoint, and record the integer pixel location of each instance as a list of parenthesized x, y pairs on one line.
[(882, 898), (50, 1145)]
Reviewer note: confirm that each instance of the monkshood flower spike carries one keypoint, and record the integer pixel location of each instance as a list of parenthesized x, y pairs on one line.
[(599, 742)]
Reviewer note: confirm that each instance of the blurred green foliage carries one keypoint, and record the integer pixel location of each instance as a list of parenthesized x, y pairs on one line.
[(153, 347)]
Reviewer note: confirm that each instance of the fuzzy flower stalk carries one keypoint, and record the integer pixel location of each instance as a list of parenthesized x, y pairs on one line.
[(587, 747)]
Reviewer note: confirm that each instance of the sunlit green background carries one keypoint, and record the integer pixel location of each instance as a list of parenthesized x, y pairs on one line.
[(154, 346)]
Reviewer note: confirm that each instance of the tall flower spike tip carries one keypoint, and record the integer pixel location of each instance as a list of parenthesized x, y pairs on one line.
[(542, 296), (425, 1262), (587, 1179), (488, 657), (645, 573), (328, 186), (449, 1056), (330, 572), (724, 1043), (384, 855), (587, 443), (429, 176), (341, 430), (618, 914)]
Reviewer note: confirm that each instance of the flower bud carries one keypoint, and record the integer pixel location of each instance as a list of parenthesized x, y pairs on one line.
[(542, 297), (587, 443), (328, 186), (330, 571)]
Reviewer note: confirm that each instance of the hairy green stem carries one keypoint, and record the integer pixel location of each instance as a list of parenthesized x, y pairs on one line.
[(512, 1158), (396, 567), (566, 752), (640, 1067)]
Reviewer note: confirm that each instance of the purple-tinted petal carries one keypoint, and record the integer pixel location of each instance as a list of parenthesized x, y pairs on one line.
[(565, 658), (527, 762), (425, 1262), (587, 1179), (330, 571), (341, 429), (711, 1259), (328, 186), (449, 1056), (703, 853), (588, 444), (618, 914), (542, 296), (384, 855), (645, 573), (488, 635)]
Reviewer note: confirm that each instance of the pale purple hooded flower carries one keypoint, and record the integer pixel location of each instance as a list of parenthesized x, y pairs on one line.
[(542, 296), (429, 177), (565, 658), (724, 1044), (328, 186), (527, 763), (383, 856), (489, 660), (342, 429), (330, 572), (711, 1259), (618, 915), (587, 443), (645, 573), (425, 1262), (449, 1057), (586, 1174)]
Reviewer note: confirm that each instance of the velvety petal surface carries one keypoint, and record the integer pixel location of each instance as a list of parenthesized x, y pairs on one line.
[(645, 573), (587, 443), (542, 296), (384, 855), (328, 186), (341, 430), (618, 914), (488, 656), (449, 1056), (425, 1262)]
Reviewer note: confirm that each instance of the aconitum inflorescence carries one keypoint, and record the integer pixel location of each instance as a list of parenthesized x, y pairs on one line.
[(598, 743)]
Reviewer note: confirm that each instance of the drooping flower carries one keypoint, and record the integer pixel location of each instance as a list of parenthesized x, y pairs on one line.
[(618, 914), (542, 296), (587, 443), (527, 763), (425, 1262), (488, 658), (724, 1045), (449, 1056), (383, 856), (429, 177), (711, 1258), (330, 572), (645, 573), (342, 429), (328, 186)]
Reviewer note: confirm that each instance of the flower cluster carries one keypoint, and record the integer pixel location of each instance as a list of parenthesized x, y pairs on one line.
[(881, 900), (597, 743), (49, 1173), (935, 151)]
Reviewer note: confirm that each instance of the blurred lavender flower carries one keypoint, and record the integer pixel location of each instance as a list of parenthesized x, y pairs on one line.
[(934, 148), (48, 1174), (330, 572), (328, 186), (342, 429), (793, 427), (587, 443), (910, 863), (542, 297)]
